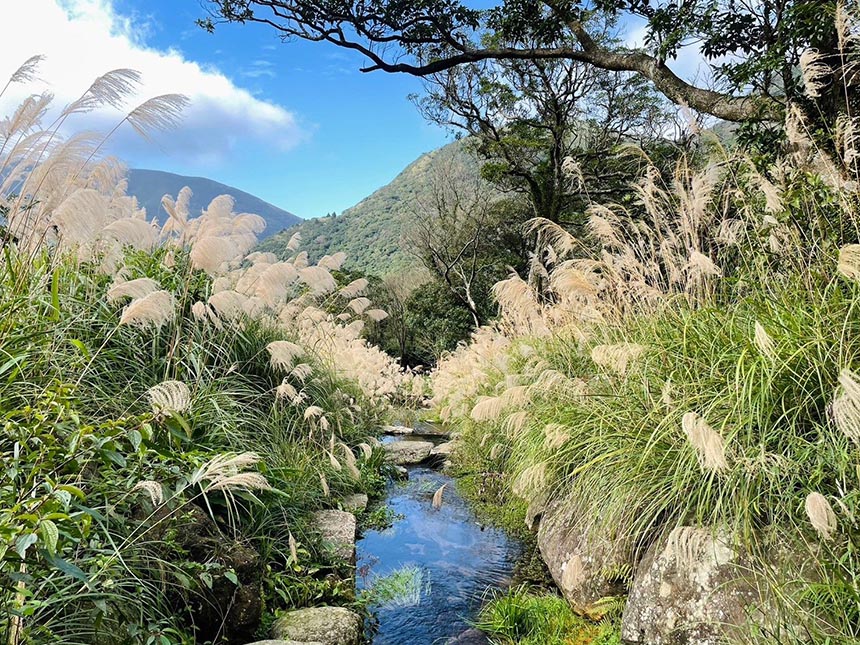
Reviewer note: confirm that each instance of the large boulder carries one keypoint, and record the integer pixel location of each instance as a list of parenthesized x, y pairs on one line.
[(226, 605), (586, 566), (324, 625), (337, 529), (403, 453), (690, 588)]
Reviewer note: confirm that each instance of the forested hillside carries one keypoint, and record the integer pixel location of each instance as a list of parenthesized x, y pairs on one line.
[(371, 232)]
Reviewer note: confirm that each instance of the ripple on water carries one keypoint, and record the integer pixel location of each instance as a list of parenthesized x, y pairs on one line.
[(458, 561)]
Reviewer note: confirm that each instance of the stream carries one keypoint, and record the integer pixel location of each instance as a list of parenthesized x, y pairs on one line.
[(444, 560)]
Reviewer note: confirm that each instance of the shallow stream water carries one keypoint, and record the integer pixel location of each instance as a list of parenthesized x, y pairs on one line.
[(453, 560)]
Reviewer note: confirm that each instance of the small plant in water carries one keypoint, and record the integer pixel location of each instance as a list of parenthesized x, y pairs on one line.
[(401, 588)]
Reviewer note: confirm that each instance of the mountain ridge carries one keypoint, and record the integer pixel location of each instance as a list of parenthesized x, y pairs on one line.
[(149, 186)]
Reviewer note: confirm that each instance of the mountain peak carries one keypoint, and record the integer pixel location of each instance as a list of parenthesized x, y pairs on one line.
[(149, 186)]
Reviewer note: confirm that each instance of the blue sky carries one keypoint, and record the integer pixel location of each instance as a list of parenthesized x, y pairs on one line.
[(295, 123)]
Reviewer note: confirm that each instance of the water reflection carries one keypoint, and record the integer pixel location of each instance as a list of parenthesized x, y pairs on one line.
[(454, 559)]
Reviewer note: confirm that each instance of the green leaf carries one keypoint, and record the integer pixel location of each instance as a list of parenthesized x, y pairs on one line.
[(74, 490), (83, 349), (50, 535), (135, 438), (24, 542), (12, 362), (67, 567), (232, 577), (55, 295)]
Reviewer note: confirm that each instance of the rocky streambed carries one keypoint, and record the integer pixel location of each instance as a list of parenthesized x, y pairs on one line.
[(427, 575), (443, 560)]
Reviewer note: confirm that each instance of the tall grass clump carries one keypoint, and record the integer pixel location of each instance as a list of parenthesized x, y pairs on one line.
[(691, 362), (174, 405)]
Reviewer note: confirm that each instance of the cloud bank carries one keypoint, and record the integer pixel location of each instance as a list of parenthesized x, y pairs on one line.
[(82, 39)]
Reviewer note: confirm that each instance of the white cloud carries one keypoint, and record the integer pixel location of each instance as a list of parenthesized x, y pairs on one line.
[(82, 39)]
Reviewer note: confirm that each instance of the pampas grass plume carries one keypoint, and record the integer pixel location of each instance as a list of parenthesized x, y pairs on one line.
[(133, 289), (153, 310), (820, 515), (170, 396), (708, 443), (849, 261), (283, 353), (845, 408), (764, 342)]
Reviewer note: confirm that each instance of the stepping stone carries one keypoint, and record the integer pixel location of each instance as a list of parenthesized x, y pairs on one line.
[(323, 625), (355, 503), (280, 642), (338, 533), (399, 430), (443, 449), (469, 637), (402, 453)]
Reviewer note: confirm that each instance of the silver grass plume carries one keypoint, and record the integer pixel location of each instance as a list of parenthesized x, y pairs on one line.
[(228, 305), (350, 461), (359, 305), (376, 315), (366, 450), (332, 262), (820, 515), (286, 391), (295, 240), (437, 497), (228, 472), (153, 310), (555, 436), (159, 113), (815, 72), (515, 423), (302, 371), (133, 289), (488, 408), (294, 549), (27, 71), (283, 353), (318, 279), (618, 357), (111, 89), (849, 262), (153, 489), (354, 288), (845, 408), (312, 412), (169, 396), (764, 342), (708, 443)]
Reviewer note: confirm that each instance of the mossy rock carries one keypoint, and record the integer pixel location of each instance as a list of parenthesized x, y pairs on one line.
[(324, 625)]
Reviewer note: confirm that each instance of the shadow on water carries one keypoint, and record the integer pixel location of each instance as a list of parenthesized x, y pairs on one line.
[(443, 563)]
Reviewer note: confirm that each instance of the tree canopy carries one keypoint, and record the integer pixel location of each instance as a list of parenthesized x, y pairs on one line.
[(754, 46)]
